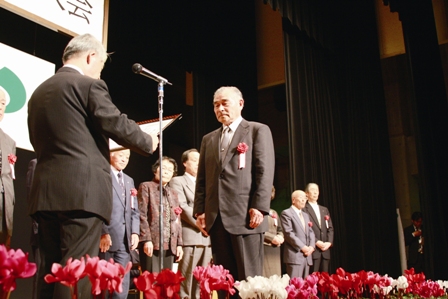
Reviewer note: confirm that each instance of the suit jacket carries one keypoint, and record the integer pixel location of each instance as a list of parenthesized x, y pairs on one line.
[(124, 219), (412, 242), (148, 204), (296, 237), (232, 191), (8, 146), (274, 229), (322, 232), (70, 120), (191, 235)]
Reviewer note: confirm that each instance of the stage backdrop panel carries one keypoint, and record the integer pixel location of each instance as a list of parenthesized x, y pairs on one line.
[(73, 17), (20, 74)]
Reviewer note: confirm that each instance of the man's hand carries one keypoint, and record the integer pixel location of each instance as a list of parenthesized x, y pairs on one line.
[(148, 248), (278, 240), (134, 241), (155, 140), (256, 218), (326, 246), (200, 223), (179, 253), (105, 242), (307, 250)]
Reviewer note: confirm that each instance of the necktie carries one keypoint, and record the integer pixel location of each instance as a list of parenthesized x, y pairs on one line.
[(301, 219), (120, 181), (225, 140)]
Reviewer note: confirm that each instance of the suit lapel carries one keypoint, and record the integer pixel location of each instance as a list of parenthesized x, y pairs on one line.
[(238, 137), (216, 140), (189, 183)]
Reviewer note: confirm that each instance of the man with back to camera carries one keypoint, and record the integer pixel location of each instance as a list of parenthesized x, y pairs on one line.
[(121, 235), (233, 187), (70, 120), (197, 248), (322, 227)]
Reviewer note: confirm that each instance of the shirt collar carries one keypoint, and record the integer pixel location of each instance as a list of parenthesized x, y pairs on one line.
[(74, 67), (233, 126)]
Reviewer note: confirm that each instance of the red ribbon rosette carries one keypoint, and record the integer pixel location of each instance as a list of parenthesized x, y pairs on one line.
[(178, 210), (133, 194), (12, 159), (242, 149), (310, 224)]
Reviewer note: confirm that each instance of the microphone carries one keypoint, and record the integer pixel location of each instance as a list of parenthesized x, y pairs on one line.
[(139, 69)]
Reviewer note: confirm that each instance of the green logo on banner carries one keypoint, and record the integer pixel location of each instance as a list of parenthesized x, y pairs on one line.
[(12, 84)]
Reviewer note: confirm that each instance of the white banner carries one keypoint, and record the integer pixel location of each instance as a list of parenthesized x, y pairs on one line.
[(73, 17), (20, 75)]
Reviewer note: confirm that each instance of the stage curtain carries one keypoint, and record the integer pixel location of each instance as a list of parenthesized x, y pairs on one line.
[(337, 127)]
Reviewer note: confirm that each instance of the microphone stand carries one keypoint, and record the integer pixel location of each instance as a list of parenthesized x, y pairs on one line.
[(161, 212)]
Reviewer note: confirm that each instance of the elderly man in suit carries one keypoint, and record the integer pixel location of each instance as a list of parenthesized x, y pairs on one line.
[(322, 227), (70, 120), (197, 248), (120, 236), (299, 237), (7, 160), (233, 186)]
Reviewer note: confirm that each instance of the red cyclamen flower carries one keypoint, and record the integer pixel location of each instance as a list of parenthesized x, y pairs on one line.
[(214, 278), (105, 275), (68, 275)]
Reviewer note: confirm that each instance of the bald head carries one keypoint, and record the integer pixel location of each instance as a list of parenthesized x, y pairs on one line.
[(298, 198)]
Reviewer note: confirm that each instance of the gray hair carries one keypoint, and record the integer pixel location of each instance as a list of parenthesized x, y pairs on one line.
[(81, 44), (235, 90)]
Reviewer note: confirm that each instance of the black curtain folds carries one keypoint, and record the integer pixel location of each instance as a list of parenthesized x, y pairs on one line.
[(338, 127)]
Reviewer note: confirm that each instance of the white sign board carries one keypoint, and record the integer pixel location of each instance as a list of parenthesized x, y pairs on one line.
[(74, 17), (20, 75)]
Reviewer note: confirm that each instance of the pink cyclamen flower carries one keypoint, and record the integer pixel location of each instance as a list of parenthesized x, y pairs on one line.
[(68, 275), (214, 278), (14, 264), (105, 275)]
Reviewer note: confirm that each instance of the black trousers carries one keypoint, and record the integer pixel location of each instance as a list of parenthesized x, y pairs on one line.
[(242, 255), (64, 235)]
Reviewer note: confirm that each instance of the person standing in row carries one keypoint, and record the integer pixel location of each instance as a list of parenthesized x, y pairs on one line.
[(120, 236), (233, 187), (322, 227), (197, 248), (70, 120), (7, 160), (149, 205), (299, 237), (273, 239)]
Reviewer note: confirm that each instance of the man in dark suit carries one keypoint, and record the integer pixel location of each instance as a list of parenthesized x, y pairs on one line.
[(121, 235), (7, 155), (299, 237), (413, 238), (233, 187), (70, 120), (196, 246), (322, 227)]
